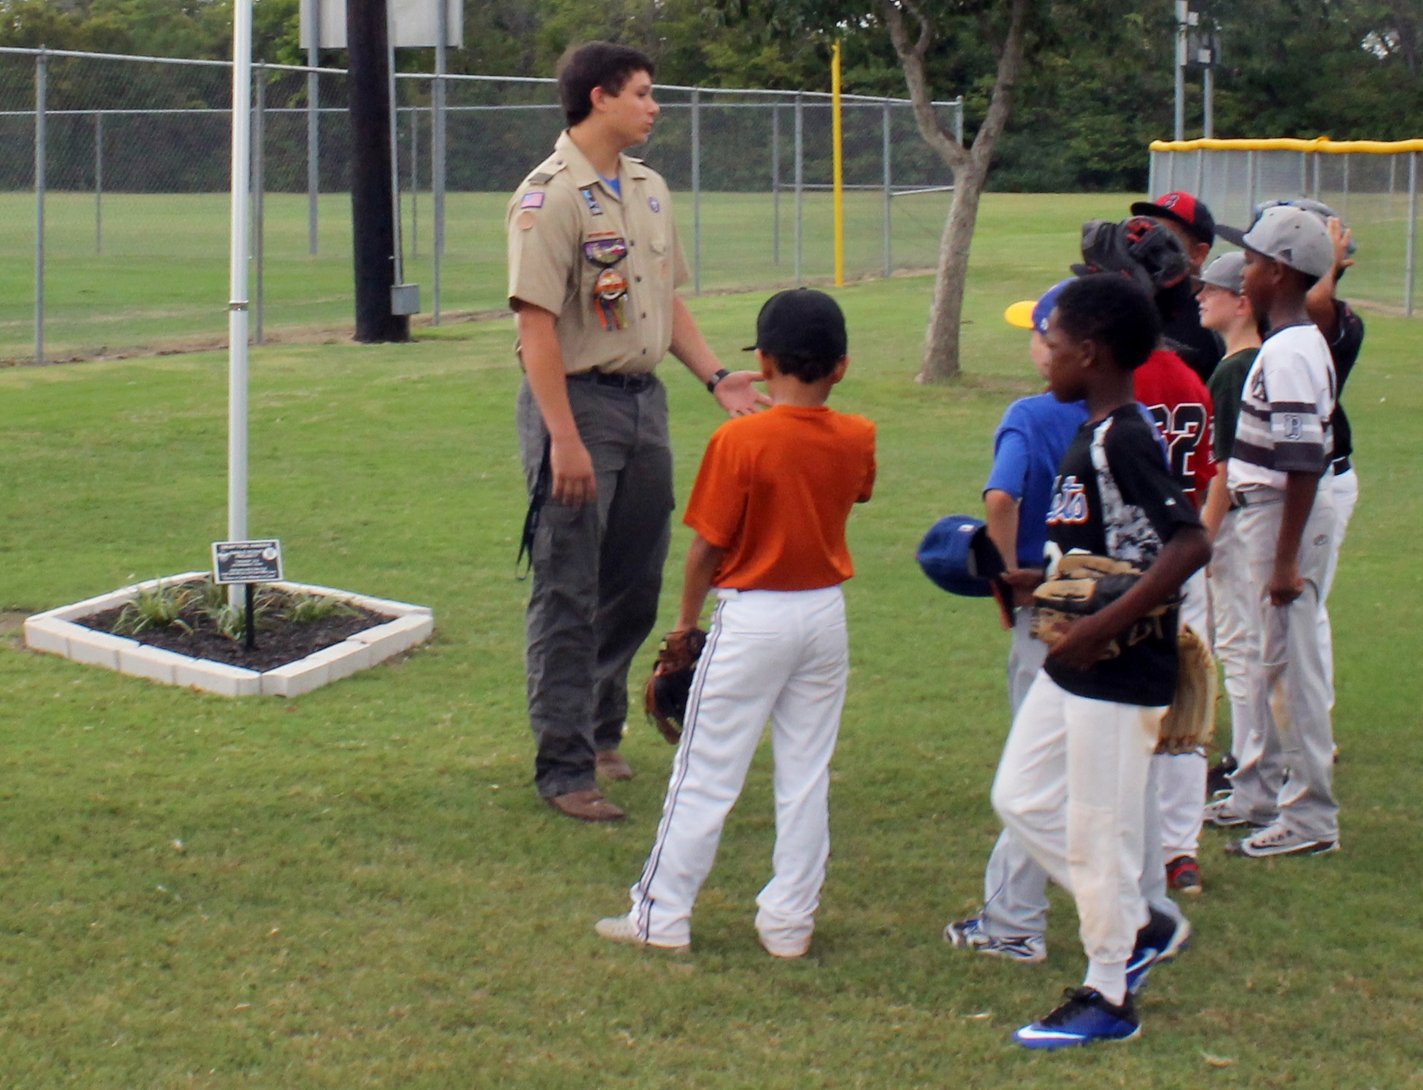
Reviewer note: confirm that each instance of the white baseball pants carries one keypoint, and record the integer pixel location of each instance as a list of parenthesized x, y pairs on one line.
[(1182, 776), (1071, 787), (1234, 638), (1287, 761), (1344, 488), (1015, 901), (777, 655)]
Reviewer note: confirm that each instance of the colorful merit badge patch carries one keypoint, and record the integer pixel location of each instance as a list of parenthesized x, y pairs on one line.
[(605, 251), (610, 292), (532, 199)]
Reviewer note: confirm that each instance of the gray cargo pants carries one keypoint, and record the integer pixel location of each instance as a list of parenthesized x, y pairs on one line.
[(597, 572)]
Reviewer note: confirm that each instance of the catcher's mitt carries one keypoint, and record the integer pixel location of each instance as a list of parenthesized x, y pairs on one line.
[(666, 692), (1190, 721)]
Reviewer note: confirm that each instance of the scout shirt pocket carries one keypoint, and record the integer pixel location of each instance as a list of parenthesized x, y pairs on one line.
[(605, 278)]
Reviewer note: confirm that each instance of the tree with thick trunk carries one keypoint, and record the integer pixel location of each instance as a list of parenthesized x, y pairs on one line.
[(969, 164)]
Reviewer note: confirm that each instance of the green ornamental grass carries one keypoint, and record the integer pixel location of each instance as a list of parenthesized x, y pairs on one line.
[(357, 888)]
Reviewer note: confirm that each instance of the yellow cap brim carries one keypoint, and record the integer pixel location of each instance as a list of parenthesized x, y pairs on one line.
[(1020, 315)]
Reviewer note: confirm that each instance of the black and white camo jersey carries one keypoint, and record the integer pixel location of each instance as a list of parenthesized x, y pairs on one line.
[(1114, 496)]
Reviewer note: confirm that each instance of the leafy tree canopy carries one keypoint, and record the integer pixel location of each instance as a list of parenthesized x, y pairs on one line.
[(1096, 87)]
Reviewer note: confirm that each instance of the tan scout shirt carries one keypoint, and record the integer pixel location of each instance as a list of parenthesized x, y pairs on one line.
[(567, 230)]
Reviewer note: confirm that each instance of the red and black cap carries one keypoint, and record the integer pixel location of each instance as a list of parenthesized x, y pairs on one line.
[(1182, 208)]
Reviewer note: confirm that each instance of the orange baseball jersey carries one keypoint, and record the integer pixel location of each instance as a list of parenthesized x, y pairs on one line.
[(775, 490)]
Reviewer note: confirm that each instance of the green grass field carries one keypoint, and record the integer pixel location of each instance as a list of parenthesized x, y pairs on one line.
[(358, 888), (143, 273), (148, 272)]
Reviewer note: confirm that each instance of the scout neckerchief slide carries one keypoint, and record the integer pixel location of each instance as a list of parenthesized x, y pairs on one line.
[(610, 289), (531, 519)]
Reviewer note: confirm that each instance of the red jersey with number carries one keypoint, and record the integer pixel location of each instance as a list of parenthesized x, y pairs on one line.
[(1180, 404)]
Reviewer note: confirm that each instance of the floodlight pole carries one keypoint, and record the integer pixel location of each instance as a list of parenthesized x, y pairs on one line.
[(237, 272)]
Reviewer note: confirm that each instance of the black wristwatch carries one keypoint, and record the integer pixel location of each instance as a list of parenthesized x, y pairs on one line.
[(715, 380)]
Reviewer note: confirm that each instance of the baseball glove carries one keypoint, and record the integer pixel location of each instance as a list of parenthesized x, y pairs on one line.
[(666, 692), (1190, 721), (1138, 248), (1084, 584)]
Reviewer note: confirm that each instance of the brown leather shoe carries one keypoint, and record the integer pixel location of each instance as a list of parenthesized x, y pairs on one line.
[(612, 765), (586, 805)]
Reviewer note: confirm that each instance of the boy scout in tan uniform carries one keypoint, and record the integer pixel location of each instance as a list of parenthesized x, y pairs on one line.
[(593, 264)]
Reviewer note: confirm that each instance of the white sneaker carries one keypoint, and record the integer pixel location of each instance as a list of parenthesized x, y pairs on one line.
[(969, 935), (1221, 815), (1277, 840), (621, 929)]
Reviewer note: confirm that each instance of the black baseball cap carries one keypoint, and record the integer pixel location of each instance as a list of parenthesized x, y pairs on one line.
[(1182, 208), (801, 322)]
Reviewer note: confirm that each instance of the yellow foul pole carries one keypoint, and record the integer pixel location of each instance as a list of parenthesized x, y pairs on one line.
[(838, 159)]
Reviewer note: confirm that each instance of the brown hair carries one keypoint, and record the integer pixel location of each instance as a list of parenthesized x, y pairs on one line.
[(596, 64)]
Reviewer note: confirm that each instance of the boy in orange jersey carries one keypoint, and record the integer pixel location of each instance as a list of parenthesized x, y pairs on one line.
[(768, 509)]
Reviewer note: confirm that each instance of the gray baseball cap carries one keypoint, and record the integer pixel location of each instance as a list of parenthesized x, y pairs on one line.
[(1289, 235), (1226, 272)]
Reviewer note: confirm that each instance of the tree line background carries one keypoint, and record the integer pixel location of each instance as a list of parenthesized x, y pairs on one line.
[(1096, 89)]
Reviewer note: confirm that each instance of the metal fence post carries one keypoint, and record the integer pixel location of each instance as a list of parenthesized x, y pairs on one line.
[(98, 181), (1411, 257), (437, 186), (775, 183), (799, 186), (696, 193), (259, 185), (40, 88), (888, 190), (313, 124), (414, 117), (437, 148)]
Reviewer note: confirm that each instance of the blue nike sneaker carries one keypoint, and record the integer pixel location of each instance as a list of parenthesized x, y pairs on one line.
[(1083, 1017), (1157, 943)]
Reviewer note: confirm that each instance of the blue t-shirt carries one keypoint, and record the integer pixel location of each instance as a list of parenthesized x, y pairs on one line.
[(1027, 449)]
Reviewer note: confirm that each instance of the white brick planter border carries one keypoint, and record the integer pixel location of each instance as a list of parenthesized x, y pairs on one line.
[(56, 633)]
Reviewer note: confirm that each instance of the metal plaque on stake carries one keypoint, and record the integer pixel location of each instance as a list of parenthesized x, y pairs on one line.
[(247, 563)]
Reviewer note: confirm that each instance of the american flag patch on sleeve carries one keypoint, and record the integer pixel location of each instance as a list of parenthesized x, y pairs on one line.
[(533, 199)]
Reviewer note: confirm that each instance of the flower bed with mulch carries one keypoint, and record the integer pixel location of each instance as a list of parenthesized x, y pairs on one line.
[(281, 639)]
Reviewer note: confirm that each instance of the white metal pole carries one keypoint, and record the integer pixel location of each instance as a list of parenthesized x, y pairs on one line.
[(237, 273), (41, 93)]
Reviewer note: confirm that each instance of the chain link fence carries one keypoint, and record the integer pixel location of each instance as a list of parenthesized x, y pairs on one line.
[(1374, 186), (115, 232)]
